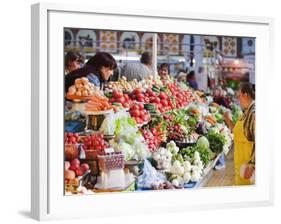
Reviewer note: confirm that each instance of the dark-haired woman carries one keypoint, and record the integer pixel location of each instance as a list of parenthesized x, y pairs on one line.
[(98, 70), (244, 135), (72, 61)]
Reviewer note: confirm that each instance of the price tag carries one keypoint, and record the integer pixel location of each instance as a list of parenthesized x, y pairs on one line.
[(109, 150)]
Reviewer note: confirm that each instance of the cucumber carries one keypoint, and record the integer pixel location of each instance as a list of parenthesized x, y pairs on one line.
[(117, 104), (155, 89), (149, 106)]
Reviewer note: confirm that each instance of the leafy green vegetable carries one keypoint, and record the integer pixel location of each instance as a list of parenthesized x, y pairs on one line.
[(124, 123), (108, 94), (188, 152), (203, 142), (216, 141), (192, 121), (206, 154), (219, 117)]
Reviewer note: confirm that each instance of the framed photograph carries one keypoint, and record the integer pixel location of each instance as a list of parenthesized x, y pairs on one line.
[(114, 133)]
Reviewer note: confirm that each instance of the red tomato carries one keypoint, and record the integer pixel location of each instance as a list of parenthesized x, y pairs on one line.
[(79, 172), (135, 107), (121, 100), (164, 103), (144, 117), (139, 120), (157, 100), (140, 96), (126, 97), (73, 139), (137, 91), (116, 94), (146, 99), (141, 107), (99, 147), (135, 113), (162, 95), (149, 91), (133, 97), (142, 113), (141, 100)]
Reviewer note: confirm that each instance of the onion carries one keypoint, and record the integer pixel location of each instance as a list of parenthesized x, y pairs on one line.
[(69, 174)]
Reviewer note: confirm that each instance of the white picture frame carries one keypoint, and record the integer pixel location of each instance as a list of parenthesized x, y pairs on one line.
[(48, 200)]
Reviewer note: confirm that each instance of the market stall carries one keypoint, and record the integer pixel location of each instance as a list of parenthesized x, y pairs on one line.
[(145, 135)]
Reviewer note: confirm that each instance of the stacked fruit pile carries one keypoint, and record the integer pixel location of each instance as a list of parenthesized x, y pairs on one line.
[(182, 97), (119, 98), (140, 114), (95, 145)]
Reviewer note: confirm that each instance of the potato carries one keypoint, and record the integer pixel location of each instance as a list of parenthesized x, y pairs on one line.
[(84, 80), (69, 174), (78, 93), (87, 87), (78, 85), (71, 90), (85, 93), (78, 81)]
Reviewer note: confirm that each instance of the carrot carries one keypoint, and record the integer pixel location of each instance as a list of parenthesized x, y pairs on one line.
[(99, 99), (94, 103)]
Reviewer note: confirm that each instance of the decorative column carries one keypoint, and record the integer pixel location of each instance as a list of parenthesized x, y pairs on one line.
[(154, 54)]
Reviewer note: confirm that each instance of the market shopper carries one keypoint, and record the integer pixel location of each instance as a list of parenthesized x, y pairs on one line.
[(220, 97), (244, 136), (138, 70), (181, 76), (164, 71), (72, 61), (98, 70), (191, 79)]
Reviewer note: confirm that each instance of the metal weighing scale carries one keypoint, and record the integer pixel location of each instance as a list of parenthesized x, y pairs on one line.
[(94, 119)]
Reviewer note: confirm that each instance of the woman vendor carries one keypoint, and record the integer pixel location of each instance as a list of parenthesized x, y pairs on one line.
[(98, 70), (244, 136)]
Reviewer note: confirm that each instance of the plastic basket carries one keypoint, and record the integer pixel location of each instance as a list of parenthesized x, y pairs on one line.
[(111, 161)]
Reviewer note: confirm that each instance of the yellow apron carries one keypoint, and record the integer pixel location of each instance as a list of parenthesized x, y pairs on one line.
[(242, 151)]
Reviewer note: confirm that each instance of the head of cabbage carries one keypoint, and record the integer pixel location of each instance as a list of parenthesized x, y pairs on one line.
[(203, 143)]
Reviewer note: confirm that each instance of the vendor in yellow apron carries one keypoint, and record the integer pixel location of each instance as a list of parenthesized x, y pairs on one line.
[(242, 151)]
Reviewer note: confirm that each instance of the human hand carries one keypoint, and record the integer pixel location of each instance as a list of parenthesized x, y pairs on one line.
[(227, 117), (248, 172)]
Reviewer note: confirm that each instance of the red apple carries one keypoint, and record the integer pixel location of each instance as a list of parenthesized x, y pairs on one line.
[(75, 162), (73, 168), (78, 172), (84, 167)]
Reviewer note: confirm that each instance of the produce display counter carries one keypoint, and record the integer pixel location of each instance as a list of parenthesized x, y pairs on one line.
[(140, 119)]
